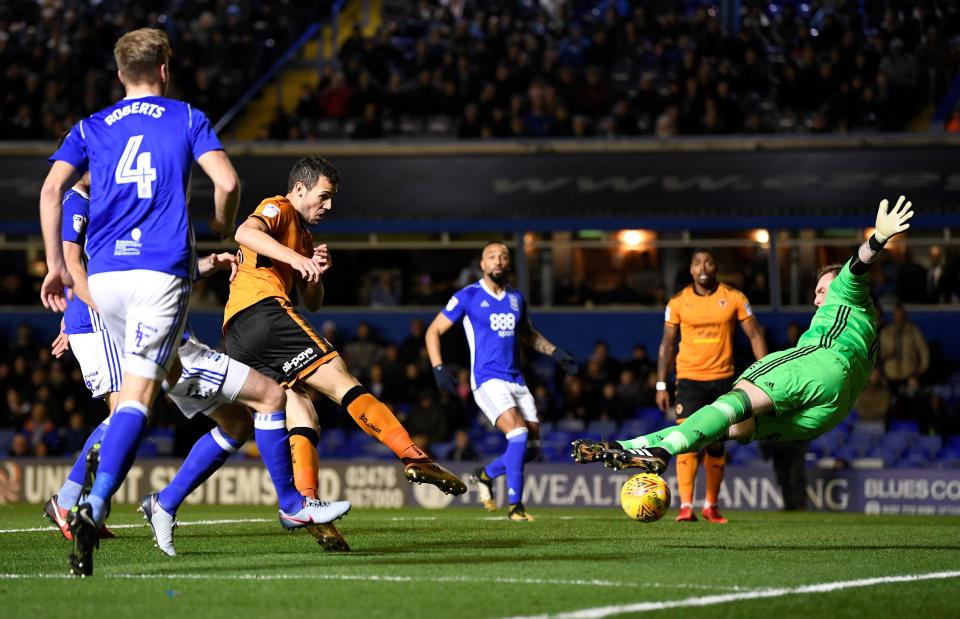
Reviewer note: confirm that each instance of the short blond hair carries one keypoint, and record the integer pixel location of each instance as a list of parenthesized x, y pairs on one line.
[(139, 54)]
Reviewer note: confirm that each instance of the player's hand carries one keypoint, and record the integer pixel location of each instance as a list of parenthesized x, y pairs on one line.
[(321, 255), (60, 344), (566, 361), (224, 261), (52, 293), (446, 381), (663, 401), (309, 270), (892, 221)]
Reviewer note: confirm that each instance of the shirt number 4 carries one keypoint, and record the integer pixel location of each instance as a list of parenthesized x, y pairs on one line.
[(143, 175)]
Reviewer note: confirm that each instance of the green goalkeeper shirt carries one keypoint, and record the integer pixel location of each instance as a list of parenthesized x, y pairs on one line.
[(846, 324)]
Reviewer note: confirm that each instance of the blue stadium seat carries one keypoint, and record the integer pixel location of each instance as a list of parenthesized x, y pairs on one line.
[(602, 427), (904, 425), (6, 441)]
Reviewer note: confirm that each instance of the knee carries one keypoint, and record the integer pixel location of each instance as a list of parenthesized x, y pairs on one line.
[(274, 398)]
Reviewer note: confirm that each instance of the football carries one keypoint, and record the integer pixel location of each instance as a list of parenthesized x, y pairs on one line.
[(645, 497)]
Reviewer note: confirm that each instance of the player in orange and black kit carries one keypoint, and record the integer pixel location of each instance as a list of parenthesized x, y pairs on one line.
[(706, 313), (266, 332)]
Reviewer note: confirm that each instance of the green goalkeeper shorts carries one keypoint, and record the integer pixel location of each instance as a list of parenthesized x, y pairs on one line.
[(811, 391)]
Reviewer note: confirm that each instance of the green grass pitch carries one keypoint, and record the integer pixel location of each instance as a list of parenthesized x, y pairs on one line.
[(461, 563)]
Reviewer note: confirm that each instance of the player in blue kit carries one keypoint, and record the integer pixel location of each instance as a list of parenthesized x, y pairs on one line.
[(496, 323), (139, 152)]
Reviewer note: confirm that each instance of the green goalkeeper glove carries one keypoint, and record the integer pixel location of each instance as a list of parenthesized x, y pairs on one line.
[(891, 222)]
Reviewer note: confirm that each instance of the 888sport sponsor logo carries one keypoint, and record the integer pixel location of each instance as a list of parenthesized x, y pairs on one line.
[(504, 324)]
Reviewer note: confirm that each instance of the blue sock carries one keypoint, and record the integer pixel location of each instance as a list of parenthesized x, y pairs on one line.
[(208, 454), (117, 451), (516, 448), (497, 468), (270, 430), (69, 493)]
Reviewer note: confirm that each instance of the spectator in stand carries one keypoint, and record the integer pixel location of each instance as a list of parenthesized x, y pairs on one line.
[(363, 350), (875, 401), (917, 403), (903, 349), (942, 278), (462, 450)]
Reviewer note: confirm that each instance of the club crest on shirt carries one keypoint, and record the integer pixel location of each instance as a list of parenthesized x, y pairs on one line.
[(514, 302), (271, 211), (723, 302), (79, 221)]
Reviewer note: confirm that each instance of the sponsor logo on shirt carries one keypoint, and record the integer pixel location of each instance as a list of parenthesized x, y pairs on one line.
[(484, 303), (504, 324), (129, 247)]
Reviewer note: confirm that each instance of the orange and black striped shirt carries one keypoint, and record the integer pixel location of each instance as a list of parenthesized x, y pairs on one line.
[(259, 277)]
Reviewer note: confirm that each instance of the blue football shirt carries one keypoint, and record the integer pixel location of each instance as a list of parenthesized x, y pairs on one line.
[(78, 318), (140, 153), (490, 322)]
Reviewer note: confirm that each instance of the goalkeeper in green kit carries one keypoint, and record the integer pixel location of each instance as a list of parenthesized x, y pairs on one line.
[(792, 395)]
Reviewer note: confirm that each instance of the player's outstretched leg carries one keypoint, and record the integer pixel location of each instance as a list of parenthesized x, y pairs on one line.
[(377, 420), (704, 427)]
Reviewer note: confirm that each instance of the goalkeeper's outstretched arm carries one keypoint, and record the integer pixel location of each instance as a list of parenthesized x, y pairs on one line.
[(890, 222)]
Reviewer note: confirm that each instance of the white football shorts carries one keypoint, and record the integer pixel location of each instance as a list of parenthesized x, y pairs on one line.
[(144, 312), (496, 396), (207, 380), (99, 361)]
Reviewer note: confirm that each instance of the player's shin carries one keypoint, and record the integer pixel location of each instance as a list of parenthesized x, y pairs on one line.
[(305, 460), (69, 493), (207, 455), (270, 432), (378, 421), (119, 447), (648, 440), (714, 463), (513, 457), (709, 424)]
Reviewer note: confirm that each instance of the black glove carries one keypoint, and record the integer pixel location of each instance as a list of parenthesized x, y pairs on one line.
[(446, 381), (566, 361)]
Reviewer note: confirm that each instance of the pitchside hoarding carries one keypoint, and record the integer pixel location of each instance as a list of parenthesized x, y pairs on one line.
[(380, 484)]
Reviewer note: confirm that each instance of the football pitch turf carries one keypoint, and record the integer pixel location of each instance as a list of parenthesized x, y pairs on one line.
[(238, 562)]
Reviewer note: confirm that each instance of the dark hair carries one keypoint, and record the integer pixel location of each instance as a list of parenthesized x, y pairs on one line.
[(829, 268), (703, 250), (309, 170), (489, 243)]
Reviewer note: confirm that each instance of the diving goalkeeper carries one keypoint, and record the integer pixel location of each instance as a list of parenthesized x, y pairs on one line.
[(792, 395)]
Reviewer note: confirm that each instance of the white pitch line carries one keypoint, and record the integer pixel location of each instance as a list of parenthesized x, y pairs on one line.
[(144, 524), (379, 578), (709, 600)]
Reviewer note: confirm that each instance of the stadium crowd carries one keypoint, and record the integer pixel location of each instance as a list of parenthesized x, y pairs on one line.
[(506, 69), (46, 410), (606, 68), (55, 55)]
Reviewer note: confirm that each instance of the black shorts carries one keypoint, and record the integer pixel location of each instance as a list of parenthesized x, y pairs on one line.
[(272, 338), (692, 395)]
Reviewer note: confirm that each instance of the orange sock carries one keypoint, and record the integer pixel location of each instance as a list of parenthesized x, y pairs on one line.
[(305, 460), (686, 475), (714, 466), (378, 421)]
